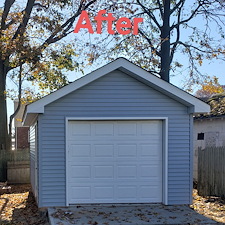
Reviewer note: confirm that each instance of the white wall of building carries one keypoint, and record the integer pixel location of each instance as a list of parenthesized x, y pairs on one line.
[(214, 136)]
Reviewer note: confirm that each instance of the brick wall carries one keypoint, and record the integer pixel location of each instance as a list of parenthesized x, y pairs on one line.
[(22, 137)]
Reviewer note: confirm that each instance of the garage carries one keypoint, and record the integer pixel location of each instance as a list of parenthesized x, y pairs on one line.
[(114, 161), (116, 135)]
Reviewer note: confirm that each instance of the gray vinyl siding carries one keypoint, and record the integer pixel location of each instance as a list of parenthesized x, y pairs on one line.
[(32, 156), (114, 95)]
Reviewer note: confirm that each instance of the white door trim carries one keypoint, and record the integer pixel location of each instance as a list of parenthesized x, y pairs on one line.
[(165, 146)]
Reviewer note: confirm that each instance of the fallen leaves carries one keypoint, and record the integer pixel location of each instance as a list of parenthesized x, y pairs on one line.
[(211, 207), (19, 207)]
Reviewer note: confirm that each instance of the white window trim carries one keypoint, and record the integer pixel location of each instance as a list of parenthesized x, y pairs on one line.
[(164, 146)]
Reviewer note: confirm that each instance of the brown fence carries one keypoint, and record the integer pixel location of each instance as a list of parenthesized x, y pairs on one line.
[(211, 171), (11, 156)]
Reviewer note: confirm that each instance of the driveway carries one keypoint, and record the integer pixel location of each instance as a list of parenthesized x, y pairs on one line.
[(123, 214)]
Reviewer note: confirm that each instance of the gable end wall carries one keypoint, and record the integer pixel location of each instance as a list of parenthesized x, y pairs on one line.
[(114, 95)]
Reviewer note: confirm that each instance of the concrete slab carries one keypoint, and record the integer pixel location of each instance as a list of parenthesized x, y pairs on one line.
[(123, 214)]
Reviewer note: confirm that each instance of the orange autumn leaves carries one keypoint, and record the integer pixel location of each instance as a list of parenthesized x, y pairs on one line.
[(210, 87)]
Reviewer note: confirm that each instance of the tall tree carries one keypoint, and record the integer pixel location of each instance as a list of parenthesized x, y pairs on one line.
[(194, 28), (28, 36)]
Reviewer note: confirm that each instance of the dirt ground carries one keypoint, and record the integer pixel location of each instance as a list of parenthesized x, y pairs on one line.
[(211, 207), (19, 207)]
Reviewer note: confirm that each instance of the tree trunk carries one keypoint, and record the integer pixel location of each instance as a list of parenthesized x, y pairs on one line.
[(18, 106), (165, 39), (4, 139)]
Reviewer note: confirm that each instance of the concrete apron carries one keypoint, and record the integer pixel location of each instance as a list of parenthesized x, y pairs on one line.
[(123, 214)]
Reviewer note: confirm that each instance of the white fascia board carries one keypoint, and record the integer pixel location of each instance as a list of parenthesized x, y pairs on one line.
[(131, 69)]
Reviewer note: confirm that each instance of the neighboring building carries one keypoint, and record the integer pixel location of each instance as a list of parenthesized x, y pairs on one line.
[(116, 135), (209, 131), (21, 132)]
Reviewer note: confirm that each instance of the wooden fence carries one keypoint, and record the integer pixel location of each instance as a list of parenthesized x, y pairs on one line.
[(211, 171), (11, 156)]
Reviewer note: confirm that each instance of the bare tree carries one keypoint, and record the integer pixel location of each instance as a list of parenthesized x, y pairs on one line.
[(161, 36)]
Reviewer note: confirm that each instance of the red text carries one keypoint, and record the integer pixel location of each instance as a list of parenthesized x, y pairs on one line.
[(123, 25)]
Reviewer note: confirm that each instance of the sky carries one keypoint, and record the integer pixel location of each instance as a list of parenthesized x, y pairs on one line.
[(211, 68)]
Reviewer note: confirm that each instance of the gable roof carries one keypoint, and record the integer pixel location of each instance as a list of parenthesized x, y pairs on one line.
[(209, 117), (195, 105), (217, 103)]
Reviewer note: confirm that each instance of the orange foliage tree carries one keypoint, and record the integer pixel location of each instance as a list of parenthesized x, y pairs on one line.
[(32, 47), (209, 88)]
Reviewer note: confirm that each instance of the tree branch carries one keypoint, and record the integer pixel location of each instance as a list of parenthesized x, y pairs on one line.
[(7, 6), (150, 43), (177, 6), (67, 25), (160, 8), (150, 14), (19, 103), (27, 12), (54, 37), (178, 32), (10, 23), (40, 5), (188, 19), (196, 48), (72, 19)]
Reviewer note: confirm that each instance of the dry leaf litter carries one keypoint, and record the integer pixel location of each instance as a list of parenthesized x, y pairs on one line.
[(19, 207)]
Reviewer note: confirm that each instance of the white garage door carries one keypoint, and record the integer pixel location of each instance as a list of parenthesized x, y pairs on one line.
[(114, 161)]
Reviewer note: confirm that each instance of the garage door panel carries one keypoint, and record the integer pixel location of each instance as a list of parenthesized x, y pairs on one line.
[(80, 193), (80, 129), (127, 192), (150, 129), (104, 171), (152, 151), (127, 171), (127, 150), (104, 129), (104, 193), (127, 129), (153, 196), (149, 171), (79, 150), (115, 162), (103, 150), (80, 171)]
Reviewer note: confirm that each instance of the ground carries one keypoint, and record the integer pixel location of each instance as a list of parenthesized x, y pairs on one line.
[(19, 207), (211, 207)]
